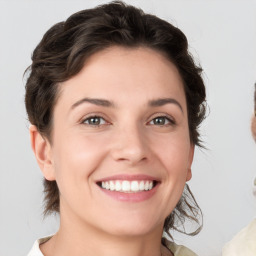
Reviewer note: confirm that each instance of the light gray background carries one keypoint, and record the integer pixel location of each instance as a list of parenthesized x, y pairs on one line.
[(222, 36)]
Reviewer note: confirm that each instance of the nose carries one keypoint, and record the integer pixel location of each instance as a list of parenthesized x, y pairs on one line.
[(130, 145)]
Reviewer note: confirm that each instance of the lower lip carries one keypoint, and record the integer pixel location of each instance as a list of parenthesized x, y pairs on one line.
[(132, 196)]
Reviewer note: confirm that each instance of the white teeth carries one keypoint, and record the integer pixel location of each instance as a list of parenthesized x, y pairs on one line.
[(146, 185), (118, 186), (127, 186), (111, 185), (134, 186), (142, 185)]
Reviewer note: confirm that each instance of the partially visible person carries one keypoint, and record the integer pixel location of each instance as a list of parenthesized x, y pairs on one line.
[(244, 243), (253, 126)]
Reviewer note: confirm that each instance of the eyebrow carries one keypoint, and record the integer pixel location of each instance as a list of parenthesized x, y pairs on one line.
[(98, 102), (164, 101), (107, 103)]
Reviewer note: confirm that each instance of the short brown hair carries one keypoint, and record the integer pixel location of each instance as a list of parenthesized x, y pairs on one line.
[(61, 55)]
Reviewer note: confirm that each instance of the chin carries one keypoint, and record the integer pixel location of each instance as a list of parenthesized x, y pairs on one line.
[(133, 227), (131, 231)]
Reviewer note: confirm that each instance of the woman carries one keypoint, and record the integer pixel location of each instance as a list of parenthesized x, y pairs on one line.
[(244, 243), (115, 100)]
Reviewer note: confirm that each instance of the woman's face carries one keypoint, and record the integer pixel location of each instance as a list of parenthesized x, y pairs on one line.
[(121, 151)]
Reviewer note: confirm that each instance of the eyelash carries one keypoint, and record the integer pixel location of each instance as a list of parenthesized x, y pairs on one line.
[(88, 119), (166, 118), (153, 121)]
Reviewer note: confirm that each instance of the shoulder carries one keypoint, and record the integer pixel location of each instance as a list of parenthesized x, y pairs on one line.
[(178, 250), (35, 251), (244, 243)]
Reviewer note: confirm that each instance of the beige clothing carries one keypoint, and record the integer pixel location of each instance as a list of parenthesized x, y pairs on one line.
[(243, 244), (177, 250)]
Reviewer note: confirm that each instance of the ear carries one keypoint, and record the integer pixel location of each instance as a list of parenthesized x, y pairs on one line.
[(43, 153), (190, 160)]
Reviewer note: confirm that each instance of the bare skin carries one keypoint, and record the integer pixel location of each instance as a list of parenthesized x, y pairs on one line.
[(123, 115)]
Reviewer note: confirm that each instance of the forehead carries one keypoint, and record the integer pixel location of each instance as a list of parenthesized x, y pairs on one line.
[(135, 71)]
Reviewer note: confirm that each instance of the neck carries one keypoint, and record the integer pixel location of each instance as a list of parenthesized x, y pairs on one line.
[(77, 238)]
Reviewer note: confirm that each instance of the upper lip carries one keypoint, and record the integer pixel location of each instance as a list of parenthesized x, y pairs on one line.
[(129, 177)]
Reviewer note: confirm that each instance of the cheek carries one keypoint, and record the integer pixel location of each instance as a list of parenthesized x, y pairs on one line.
[(174, 155), (174, 158), (76, 157)]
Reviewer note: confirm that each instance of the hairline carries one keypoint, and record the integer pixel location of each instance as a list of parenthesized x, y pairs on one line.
[(59, 88)]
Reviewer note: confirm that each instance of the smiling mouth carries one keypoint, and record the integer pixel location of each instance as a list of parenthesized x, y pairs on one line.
[(126, 186)]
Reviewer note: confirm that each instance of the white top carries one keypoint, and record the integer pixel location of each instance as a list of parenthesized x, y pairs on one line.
[(177, 250), (35, 251), (243, 244)]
